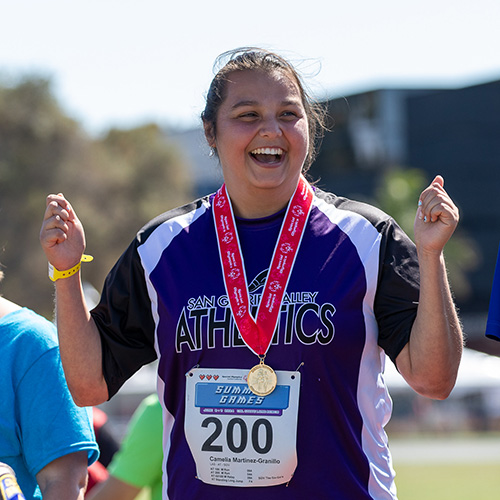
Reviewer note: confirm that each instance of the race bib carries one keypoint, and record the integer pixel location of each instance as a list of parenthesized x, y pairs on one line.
[(237, 438)]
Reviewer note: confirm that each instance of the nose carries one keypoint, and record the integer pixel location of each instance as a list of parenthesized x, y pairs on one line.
[(270, 127)]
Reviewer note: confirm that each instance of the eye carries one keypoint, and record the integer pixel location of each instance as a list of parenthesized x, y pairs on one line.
[(290, 115), (248, 116)]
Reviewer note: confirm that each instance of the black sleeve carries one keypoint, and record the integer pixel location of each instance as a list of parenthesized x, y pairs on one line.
[(124, 320), (396, 300)]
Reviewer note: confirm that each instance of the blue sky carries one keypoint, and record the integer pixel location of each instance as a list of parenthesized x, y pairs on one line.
[(124, 62)]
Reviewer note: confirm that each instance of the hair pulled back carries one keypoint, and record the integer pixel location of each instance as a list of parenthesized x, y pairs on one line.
[(255, 59)]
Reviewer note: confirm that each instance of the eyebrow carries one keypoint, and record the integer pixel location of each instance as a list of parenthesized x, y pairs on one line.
[(240, 104)]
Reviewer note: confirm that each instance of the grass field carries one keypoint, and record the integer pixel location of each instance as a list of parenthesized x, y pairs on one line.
[(464, 481), (460, 467)]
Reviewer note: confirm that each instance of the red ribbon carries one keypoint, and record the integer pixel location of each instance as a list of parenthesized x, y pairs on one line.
[(257, 335)]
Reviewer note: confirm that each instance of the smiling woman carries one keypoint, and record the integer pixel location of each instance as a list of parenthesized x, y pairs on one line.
[(264, 127), (249, 59), (261, 138), (282, 296)]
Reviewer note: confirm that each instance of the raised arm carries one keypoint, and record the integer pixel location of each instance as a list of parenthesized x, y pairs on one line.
[(430, 360), (63, 240)]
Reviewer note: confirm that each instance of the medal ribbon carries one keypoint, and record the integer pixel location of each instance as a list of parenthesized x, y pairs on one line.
[(257, 335)]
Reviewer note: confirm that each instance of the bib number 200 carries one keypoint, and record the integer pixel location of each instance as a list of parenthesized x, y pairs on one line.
[(237, 432)]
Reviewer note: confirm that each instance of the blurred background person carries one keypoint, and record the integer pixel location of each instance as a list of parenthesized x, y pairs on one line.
[(44, 437), (135, 470), (108, 446)]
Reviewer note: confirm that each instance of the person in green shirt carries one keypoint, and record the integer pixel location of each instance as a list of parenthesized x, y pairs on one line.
[(135, 471)]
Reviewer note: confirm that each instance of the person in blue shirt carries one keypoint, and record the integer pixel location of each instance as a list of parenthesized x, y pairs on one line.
[(44, 437)]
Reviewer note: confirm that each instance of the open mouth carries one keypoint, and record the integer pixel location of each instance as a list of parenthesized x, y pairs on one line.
[(267, 155)]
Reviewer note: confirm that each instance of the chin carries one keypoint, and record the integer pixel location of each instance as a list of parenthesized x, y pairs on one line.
[(273, 177)]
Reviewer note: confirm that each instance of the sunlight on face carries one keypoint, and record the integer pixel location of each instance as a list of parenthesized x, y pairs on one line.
[(262, 137)]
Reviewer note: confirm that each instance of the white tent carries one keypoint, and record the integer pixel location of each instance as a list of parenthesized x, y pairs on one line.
[(477, 372)]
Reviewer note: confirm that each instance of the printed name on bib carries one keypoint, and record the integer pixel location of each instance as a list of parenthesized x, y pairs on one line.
[(237, 438)]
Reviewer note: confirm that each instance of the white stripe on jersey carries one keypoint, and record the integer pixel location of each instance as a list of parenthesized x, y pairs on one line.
[(374, 406), (158, 241), (152, 250)]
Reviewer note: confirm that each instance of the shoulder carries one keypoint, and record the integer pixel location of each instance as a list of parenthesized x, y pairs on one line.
[(152, 407), (31, 350), (30, 332), (151, 403), (149, 413), (363, 223), (152, 239), (181, 216), (348, 207)]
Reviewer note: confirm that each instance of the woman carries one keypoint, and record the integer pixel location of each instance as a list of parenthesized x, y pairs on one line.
[(270, 306)]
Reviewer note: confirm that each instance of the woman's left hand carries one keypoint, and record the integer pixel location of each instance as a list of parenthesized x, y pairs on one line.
[(436, 219)]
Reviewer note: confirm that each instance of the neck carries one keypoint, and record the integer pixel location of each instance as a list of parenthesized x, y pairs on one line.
[(259, 203), (256, 209)]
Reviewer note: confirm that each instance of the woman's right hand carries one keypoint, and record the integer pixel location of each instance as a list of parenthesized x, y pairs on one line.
[(62, 236)]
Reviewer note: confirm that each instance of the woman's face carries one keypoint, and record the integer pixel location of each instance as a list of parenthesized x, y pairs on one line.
[(262, 137)]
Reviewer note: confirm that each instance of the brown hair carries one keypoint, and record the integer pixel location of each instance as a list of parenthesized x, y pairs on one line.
[(251, 59)]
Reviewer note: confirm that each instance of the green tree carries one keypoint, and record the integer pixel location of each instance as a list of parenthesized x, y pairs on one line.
[(116, 184)]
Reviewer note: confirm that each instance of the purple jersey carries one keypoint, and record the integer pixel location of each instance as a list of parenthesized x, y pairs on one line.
[(352, 297)]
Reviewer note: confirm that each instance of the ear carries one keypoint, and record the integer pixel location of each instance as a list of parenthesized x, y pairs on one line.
[(210, 134)]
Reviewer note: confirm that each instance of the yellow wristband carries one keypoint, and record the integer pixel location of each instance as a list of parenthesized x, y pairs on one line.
[(55, 274)]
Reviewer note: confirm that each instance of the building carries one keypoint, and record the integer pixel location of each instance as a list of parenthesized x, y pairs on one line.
[(452, 132)]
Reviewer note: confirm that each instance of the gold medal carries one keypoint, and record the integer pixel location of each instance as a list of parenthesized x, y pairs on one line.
[(262, 379), (257, 333)]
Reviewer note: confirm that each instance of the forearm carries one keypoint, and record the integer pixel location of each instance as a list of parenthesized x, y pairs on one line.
[(432, 356), (65, 478), (80, 344), (60, 489), (113, 489)]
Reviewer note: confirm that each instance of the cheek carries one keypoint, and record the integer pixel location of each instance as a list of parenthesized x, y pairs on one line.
[(301, 133), (230, 132)]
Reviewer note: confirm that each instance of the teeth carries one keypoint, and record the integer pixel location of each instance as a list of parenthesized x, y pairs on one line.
[(267, 151)]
